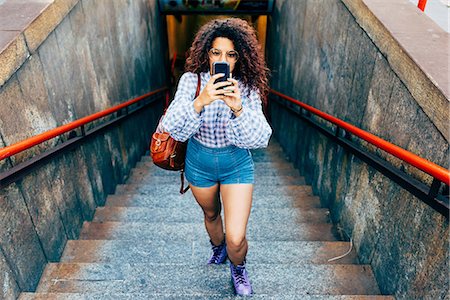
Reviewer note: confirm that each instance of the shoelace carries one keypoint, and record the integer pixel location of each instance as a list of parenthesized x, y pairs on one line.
[(216, 252), (239, 275)]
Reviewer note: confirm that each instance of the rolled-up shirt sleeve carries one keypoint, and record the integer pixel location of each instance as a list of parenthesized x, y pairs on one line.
[(250, 130), (181, 120)]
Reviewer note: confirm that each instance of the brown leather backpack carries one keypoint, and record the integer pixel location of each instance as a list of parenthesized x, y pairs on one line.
[(168, 153)]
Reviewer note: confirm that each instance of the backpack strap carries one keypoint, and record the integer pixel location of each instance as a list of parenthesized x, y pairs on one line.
[(199, 83), (197, 92)]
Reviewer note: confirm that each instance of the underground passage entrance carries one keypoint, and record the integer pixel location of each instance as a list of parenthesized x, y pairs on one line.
[(350, 197)]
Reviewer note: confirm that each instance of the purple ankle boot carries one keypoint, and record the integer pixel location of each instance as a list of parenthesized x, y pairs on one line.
[(219, 253), (240, 279)]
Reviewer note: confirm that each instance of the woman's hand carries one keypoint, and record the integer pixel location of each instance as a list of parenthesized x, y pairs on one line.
[(233, 97), (210, 93)]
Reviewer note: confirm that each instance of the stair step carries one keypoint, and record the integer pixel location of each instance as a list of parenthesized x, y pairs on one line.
[(174, 178), (269, 150), (197, 252), (175, 200), (194, 214), (195, 231), (259, 161), (149, 242), (165, 296), (280, 165), (174, 188), (269, 158), (274, 150), (270, 154), (145, 171), (275, 155), (206, 280)]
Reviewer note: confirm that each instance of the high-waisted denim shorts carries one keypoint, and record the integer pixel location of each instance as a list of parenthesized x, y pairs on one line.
[(207, 166)]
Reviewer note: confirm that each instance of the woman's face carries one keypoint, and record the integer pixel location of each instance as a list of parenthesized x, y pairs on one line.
[(222, 50)]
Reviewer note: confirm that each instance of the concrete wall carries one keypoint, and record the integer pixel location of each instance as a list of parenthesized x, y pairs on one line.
[(331, 55), (75, 58)]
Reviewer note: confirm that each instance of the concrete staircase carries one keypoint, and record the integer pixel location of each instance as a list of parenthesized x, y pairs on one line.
[(148, 242)]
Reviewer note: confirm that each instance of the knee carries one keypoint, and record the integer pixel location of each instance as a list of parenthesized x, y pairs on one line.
[(211, 216), (235, 242)]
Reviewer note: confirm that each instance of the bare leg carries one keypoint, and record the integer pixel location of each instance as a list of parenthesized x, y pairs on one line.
[(208, 199), (237, 203)]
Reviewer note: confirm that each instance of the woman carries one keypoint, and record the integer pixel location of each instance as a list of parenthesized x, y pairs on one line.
[(222, 123)]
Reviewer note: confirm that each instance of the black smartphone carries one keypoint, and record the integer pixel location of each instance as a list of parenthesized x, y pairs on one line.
[(221, 67)]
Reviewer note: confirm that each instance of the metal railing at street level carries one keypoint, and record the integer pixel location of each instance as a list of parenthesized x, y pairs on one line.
[(421, 5)]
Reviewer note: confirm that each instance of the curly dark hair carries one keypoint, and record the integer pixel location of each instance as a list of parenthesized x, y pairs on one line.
[(250, 69)]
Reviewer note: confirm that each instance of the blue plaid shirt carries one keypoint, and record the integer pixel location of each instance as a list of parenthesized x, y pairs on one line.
[(216, 126)]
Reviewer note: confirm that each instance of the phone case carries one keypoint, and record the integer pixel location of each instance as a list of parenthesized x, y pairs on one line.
[(221, 67)]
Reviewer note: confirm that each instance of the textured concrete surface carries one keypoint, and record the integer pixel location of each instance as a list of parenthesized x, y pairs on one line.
[(173, 187), (157, 247), (63, 60), (19, 243), (45, 209), (438, 11), (34, 105), (128, 296), (4, 164), (7, 282), (192, 213), (263, 231), (24, 25), (370, 209), (14, 128), (262, 180), (174, 200), (278, 165), (46, 22), (336, 61), (417, 50), (141, 174), (206, 280), (279, 252), (13, 53), (17, 15)]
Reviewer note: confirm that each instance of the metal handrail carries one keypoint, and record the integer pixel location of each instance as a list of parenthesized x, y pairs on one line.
[(40, 138), (426, 166), (421, 5)]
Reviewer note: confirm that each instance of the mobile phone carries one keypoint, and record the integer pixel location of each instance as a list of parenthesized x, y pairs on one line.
[(221, 67)]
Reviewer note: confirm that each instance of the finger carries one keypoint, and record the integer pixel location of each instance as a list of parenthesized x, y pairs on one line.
[(234, 91), (235, 85), (233, 95), (217, 92), (220, 84), (212, 91), (230, 89), (216, 76), (234, 81)]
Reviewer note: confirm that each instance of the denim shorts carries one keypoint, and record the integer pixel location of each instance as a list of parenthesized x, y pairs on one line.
[(207, 166)]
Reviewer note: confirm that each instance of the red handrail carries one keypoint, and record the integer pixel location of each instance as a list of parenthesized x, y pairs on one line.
[(421, 5), (174, 59), (434, 170), (40, 138)]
